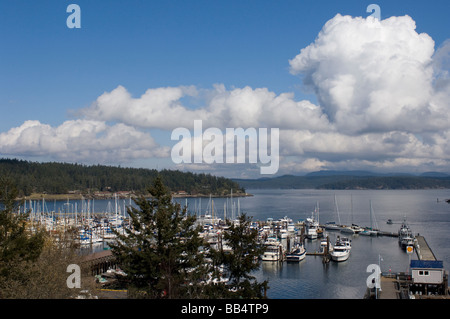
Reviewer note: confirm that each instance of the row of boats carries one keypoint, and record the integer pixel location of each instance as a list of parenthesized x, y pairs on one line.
[(275, 251), (314, 230), (93, 230), (295, 252)]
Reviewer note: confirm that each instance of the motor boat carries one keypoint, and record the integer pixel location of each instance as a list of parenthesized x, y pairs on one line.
[(341, 249), (273, 251), (298, 253)]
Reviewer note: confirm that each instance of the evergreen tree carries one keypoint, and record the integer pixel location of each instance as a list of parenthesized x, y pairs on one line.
[(160, 253), (242, 259), (16, 241), (18, 246)]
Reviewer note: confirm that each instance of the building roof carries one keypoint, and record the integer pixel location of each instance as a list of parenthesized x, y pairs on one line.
[(435, 264)]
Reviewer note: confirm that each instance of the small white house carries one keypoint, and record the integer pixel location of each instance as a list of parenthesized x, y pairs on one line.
[(428, 277)]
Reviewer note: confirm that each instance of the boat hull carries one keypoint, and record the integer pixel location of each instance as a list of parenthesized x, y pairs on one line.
[(340, 257), (296, 256), (271, 257)]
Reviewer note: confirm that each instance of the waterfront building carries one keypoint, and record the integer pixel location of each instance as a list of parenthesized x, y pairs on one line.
[(428, 277)]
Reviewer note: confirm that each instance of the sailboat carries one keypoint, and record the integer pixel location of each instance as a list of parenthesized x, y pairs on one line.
[(353, 229), (373, 229), (348, 230), (333, 225)]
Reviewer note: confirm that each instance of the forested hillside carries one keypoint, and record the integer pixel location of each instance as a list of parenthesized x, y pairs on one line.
[(341, 181), (61, 178)]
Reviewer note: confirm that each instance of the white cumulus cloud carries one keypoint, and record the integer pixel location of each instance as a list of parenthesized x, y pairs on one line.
[(84, 140), (371, 75)]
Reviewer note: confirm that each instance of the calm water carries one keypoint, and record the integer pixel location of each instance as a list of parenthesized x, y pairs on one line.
[(310, 279)]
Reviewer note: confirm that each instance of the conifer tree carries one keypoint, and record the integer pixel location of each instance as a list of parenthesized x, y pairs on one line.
[(160, 251), (242, 259), (18, 245), (16, 241)]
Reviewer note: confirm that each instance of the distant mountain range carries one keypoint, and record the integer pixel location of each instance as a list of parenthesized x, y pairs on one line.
[(350, 180), (369, 173)]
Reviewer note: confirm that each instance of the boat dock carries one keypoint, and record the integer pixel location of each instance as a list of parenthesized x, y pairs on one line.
[(99, 262), (423, 251), (426, 278), (387, 234)]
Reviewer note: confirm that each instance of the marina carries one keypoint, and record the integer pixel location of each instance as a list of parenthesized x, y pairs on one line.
[(301, 267)]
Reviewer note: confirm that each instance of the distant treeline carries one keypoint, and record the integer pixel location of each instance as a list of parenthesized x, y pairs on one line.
[(61, 178), (346, 182)]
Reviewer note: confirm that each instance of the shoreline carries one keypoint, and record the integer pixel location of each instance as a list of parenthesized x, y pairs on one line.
[(61, 197)]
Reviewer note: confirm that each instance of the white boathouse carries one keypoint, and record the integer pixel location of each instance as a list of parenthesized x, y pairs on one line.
[(428, 277)]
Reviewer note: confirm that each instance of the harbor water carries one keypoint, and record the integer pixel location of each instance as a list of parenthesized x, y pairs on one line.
[(425, 211)]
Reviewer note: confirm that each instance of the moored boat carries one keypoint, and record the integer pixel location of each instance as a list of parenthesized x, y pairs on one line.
[(405, 235), (298, 253), (341, 249), (347, 230), (273, 251)]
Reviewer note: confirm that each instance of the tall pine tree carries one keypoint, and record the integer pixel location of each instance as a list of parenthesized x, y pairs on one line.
[(160, 252), (243, 259), (19, 246)]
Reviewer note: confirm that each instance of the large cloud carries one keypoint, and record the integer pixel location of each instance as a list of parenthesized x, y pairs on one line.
[(156, 108), (239, 107), (372, 75), (83, 140)]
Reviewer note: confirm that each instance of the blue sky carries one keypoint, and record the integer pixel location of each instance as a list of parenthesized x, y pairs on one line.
[(48, 72)]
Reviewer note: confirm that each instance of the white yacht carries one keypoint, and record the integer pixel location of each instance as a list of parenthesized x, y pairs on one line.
[(312, 228), (341, 250), (273, 251), (298, 253)]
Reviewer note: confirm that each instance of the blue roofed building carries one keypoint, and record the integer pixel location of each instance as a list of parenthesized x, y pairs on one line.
[(428, 277)]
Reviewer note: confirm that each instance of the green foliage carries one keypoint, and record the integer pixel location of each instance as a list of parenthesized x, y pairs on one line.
[(160, 253), (18, 246), (16, 242), (346, 182), (164, 256), (389, 182), (59, 178), (241, 261)]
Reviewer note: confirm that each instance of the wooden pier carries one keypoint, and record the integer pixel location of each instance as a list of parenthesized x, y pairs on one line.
[(423, 251), (100, 262)]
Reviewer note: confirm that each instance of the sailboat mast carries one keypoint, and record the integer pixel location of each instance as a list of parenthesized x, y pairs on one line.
[(337, 209)]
